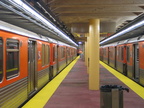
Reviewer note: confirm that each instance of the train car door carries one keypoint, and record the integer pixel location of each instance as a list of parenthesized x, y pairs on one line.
[(66, 52), (108, 55), (31, 67), (136, 62), (58, 54), (115, 54), (124, 60), (55, 49)]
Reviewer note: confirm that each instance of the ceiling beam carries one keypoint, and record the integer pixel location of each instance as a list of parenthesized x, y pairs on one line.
[(81, 39), (98, 15), (93, 3), (98, 9)]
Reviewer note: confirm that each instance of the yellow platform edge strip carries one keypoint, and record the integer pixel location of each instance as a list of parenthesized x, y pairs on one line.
[(41, 98), (130, 83)]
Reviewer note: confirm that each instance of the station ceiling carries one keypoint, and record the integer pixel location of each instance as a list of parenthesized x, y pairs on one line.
[(73, 12), (81, 11)]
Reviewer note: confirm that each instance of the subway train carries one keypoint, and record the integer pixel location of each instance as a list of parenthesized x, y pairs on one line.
[(27, 62), (127, 57)]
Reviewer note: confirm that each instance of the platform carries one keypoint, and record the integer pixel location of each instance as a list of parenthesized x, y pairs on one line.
[(72, 91)]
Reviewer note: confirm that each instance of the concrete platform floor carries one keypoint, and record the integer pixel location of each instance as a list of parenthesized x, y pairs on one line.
[(74, 93)]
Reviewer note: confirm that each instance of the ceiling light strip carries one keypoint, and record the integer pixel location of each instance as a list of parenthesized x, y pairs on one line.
[(37, 16), (124, 31)]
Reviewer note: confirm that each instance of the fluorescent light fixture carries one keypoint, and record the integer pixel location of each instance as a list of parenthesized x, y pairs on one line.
[(79, 43), (42, 19), (124, 31), (11, 28)]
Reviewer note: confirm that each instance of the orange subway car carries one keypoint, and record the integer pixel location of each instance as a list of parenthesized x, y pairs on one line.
[(126, 56), (28, 62)]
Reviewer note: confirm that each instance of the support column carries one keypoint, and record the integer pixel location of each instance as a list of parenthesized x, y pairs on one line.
[(94, 54), (86, 50), (88, 53)]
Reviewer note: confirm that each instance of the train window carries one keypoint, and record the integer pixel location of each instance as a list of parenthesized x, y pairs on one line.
[(71, 52), (47, 54), (12, 63), (111, 52), (74, 51), (104, 51), (122, 53), (128, 53), (62, 52), (1, 59), (68, 51), (118, 53), (54, 53), (137, 54), (43, 54)]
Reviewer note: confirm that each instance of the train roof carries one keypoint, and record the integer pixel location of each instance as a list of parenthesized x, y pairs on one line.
[(17, 30), (134, 40), (112, 44), (61, 43), (123, 42), (141, 38), (52, 40), (131, 40)]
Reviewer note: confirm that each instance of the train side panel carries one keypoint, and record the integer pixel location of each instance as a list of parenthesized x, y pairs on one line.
[(61, 57), (14, 66), (130, 64), (141, 62), (54, 60), (68, 56), (129, 57), (27, 63), (101, 53), (112, 56), (118, 62), (121, 59), (74, 53), (105, 55), (43, 62)]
